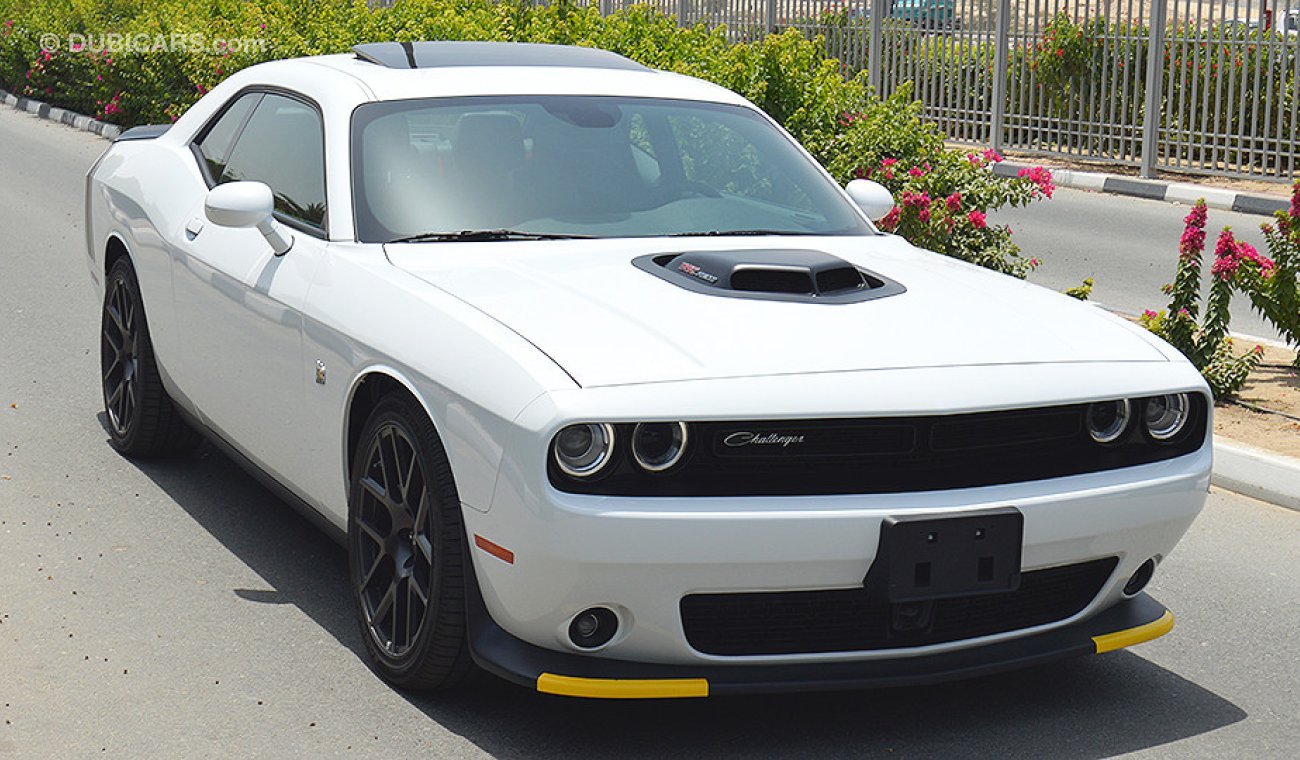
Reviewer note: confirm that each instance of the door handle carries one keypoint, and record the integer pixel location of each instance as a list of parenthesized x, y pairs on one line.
[(193, 227)]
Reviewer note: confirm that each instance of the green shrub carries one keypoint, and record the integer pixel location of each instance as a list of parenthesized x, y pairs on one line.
[(1203, 339), (1271, 282)]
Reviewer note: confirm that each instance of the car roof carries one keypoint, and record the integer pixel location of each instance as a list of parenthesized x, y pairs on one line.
[(428, 55), (400, 71)]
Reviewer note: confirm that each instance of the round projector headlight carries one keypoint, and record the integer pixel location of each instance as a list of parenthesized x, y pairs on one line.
[(1166, 416), (1107, 420), (583, 450), (656, 446)]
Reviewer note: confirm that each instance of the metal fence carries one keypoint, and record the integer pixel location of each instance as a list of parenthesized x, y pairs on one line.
[(1201, 86), (1197, 86)]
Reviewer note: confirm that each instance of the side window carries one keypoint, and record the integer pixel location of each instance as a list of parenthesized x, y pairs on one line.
[(216, 144), (283, 145)]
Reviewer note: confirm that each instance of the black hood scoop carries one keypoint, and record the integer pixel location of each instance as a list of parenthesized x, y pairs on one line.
[(772, 274)]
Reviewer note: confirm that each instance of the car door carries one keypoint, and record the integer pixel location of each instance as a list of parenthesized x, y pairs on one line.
[(238, 305)]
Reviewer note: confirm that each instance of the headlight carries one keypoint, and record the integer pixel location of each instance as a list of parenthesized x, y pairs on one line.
[(657, 446), (583, 450), (1165, 416), (1107, 420)]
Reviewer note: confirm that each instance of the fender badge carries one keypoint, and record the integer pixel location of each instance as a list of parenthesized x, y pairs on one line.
[(320, 372)]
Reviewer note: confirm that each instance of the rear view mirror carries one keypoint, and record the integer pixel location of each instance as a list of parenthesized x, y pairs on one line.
[(247, 204), (872, 197)]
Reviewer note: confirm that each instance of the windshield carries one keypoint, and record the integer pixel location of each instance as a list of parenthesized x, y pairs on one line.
[(583, 167)]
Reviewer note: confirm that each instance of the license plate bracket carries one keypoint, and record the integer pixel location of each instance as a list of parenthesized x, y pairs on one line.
[(924, 557)]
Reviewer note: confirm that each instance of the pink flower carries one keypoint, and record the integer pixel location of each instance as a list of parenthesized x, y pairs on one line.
[(978, 218), (889, 162), (890, 220), (1226, 257), (1295, 201), (975, 159), (1150, 314), (1035, 262), (924, 215), (916, 171), (992, 155), (1192, 242), (953, 202), (919, 200), (1041, 177)]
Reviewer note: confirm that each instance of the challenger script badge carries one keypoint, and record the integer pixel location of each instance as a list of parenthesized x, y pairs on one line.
[(746, 438)]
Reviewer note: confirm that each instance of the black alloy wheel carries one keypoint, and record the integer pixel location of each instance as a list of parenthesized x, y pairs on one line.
[(142, 420), (405, 550)]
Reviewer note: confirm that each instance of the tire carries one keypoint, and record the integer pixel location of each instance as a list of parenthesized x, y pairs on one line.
[(141, 419), (406, 550)]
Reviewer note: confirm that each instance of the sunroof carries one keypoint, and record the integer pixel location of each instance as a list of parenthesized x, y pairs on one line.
[(429, 55)]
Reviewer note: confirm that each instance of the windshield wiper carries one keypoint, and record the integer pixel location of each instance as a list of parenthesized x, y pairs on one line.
[(730, 233), (475, 236)]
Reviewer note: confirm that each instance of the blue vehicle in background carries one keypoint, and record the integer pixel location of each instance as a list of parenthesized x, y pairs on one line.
[(935, 14)]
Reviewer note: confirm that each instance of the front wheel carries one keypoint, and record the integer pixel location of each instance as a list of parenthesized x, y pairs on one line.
[(405, 550), (142, 420)]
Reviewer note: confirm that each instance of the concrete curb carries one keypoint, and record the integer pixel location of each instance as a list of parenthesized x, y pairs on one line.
[(1215, 197), (1243, 469), (1256, 473), (62, 115)]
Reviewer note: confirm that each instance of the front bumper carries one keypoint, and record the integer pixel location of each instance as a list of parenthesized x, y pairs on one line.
[(1130, 622)]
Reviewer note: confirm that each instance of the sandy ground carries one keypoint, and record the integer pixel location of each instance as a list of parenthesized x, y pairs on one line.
[(1274, 385)]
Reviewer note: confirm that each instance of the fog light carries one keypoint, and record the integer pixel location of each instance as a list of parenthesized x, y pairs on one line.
[(1140, 578), (1165, 416), (1107, 420), (593, 627)]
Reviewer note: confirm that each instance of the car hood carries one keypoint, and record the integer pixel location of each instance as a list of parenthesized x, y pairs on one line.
[(607, 322)]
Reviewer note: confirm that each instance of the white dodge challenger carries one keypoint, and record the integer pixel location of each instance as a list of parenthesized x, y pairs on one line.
[(612, 391)]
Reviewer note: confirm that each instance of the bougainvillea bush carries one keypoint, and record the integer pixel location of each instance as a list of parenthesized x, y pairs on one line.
[(944, 196), (1272, 283), (1203, 338)]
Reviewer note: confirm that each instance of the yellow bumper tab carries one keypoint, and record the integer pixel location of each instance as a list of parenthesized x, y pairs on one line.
[(1131, 636), (603, 688)]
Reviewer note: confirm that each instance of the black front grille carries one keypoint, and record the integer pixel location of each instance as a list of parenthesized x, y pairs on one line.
[(847, 620), (885, 454)]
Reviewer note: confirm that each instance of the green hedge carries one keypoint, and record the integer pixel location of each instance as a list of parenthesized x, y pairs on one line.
[(176, 54)]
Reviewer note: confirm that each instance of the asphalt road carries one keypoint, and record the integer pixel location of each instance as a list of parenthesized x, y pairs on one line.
[(179, 610), (1128, 246)]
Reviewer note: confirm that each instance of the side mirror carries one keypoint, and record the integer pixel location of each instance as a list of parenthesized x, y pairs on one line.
[(872, 197), (247, 204)]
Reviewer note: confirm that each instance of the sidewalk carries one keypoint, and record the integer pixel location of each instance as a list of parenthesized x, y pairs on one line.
[(1185, 193), (1237, 467)]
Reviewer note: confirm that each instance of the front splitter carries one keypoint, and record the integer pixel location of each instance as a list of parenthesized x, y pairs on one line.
[(1130, 622)]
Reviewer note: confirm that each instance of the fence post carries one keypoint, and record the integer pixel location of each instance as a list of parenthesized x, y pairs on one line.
[(875, 39), (681, 12), (1155, 86), (1001, 56), (769, 16)]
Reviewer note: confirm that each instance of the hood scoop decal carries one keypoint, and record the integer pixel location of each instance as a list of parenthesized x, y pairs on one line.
[(772, 274)]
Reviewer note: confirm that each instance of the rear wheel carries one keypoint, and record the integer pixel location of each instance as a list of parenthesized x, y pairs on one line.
[(405, 550), (141, 418)]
